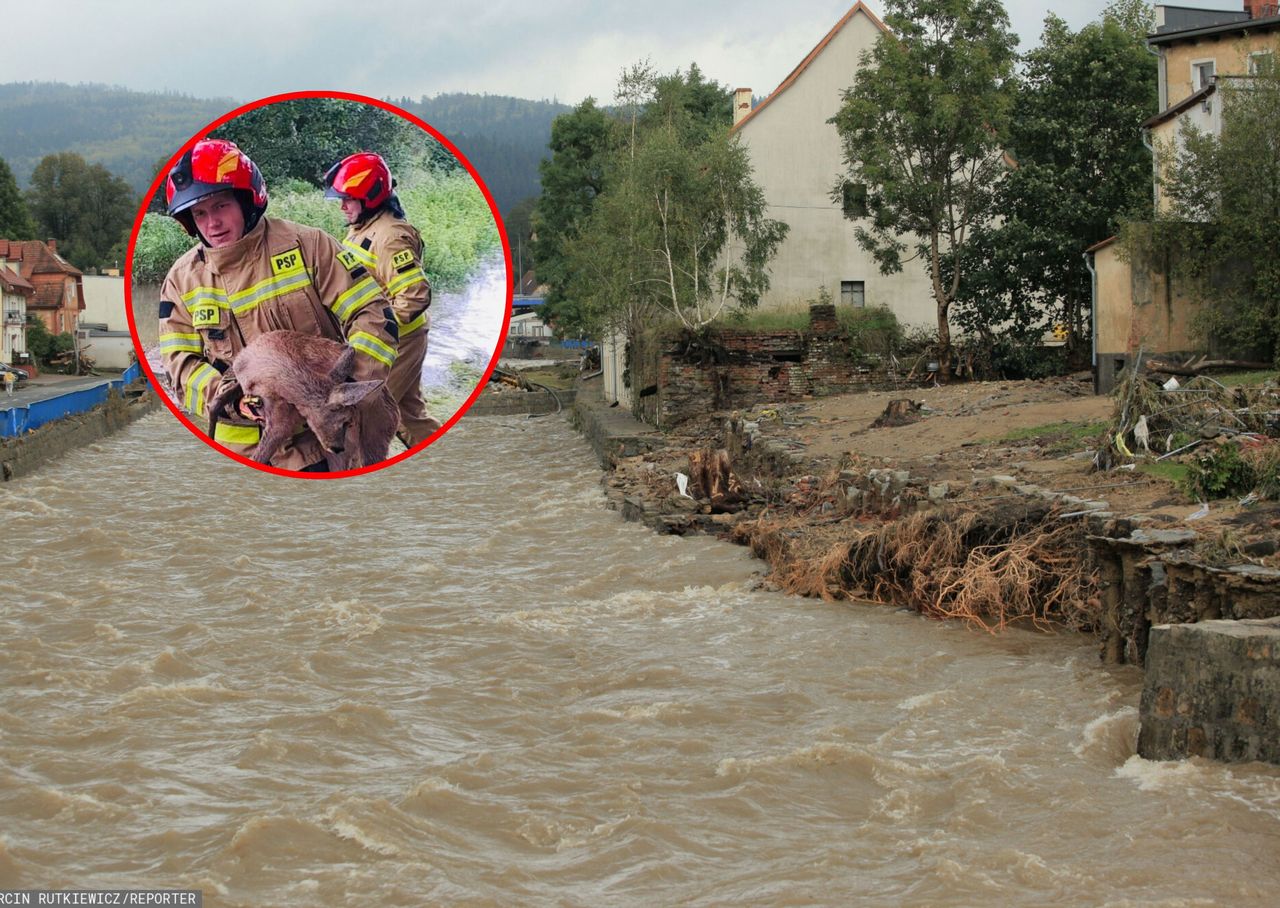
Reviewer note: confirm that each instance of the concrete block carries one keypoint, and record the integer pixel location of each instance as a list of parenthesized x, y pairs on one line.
[(1212, 690)]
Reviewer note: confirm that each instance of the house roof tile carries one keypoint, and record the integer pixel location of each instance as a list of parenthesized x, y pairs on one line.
[(12, 281)]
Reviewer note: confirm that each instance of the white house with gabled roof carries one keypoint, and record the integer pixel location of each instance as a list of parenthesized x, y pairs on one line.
[(798, 159)]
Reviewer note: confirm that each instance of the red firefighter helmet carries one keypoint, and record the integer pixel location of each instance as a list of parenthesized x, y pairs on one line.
[(213, 166), (364, 176)]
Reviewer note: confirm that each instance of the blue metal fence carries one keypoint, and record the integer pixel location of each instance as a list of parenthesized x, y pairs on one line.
[(16, 420)]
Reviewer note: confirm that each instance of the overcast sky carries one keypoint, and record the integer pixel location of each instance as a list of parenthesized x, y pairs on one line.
[(562, 49)]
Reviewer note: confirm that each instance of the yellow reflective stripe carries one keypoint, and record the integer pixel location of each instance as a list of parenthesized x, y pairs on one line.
[(407, 328), (226, 434), (208, 296), (406, 280), (197, 381), (180, 343), (350, 301), (365, 257), (246, 300), (378, 349)]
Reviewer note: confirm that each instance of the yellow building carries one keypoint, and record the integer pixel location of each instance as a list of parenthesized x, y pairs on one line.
[(1200, 51)]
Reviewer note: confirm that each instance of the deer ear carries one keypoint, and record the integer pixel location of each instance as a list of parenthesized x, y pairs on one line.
[(350, 393), (345, 365)]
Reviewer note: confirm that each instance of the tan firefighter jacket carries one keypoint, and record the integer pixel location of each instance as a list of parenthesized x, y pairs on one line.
[(280, 275), (390, 248)]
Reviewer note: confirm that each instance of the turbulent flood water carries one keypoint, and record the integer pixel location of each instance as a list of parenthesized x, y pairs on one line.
[(460, 680)]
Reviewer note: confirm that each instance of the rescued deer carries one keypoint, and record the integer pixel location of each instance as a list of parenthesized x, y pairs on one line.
[(301, 376)]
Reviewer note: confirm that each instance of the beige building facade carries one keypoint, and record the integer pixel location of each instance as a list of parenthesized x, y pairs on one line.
[(1203, 54), (797, 158)]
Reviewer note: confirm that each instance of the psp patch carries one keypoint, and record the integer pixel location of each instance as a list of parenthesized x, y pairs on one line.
[(204, 316), (402, 259), (287, 262)]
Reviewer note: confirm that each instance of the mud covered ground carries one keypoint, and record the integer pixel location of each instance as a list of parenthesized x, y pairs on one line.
[(812, 479)]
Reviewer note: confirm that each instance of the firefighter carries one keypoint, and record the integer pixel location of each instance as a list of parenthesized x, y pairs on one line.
[(382, 243), (248, 275)]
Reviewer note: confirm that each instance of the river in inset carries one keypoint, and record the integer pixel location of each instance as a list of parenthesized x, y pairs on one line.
[(460, 680)]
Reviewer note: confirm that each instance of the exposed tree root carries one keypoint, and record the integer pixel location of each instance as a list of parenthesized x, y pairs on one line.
[(988, 567)]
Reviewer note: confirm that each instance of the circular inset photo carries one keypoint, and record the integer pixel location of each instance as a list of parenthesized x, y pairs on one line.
[(319, 284)]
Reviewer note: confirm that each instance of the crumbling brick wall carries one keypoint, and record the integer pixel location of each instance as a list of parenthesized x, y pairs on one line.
[(740, 368)]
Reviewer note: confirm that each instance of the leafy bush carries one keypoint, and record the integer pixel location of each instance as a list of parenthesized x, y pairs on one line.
[(1220, 471), (42, 344), (1014, 359), (161, 240), (873, 331)]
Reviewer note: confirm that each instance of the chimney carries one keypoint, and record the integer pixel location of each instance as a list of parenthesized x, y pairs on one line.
[(52, 244), (741, 104)]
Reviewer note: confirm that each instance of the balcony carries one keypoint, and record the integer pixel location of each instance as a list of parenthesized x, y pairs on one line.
[(14, 317)]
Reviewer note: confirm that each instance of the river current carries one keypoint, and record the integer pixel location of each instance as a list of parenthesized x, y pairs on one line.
[(461, 680)]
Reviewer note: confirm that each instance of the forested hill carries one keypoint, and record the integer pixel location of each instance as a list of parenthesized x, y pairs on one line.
[(129, 132), (503, 137)]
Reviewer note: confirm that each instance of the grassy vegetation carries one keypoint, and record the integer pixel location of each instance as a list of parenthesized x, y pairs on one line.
[(1252, 379), (1059, 437), (458, 229), (1175, 473), (560, 377)]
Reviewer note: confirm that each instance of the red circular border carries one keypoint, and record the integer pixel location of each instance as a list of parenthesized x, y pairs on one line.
[(254, 105)]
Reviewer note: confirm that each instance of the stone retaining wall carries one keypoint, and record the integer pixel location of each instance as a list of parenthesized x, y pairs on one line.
[(612, 432), (1212, 690)]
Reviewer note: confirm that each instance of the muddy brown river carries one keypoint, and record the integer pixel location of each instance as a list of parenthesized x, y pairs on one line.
[(461, 681)]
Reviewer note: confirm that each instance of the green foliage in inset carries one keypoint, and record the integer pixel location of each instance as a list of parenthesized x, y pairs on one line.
[(457, 225), (450, 211), (1080, 168), (15, 219), (86, 209), (923, 128), (161, 240), (302, 138)]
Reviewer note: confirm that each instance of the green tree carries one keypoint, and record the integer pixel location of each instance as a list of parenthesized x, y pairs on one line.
[(15, 219), (83, 206), (519, 224), (923, 129), (42, 343), (1080, 168), (301, 139), (572, 178), (679, 225), (1224, 204)]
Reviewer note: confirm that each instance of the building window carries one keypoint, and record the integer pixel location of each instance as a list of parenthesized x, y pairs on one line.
[(1262, 63), (853, 293), (1201, 74), (853, 200)]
